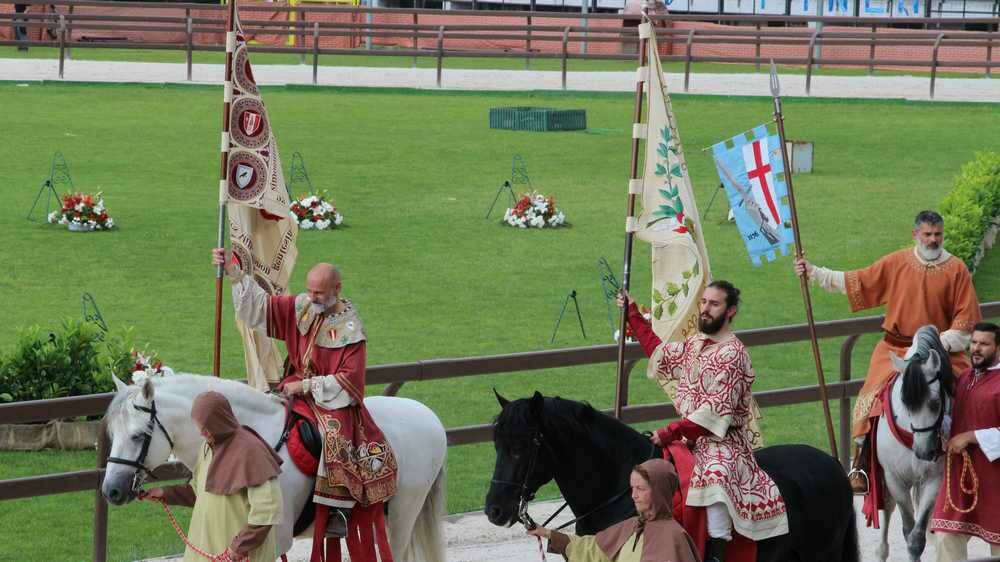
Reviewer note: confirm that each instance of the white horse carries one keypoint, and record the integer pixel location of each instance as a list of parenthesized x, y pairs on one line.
[(921, 403), (150, 421)]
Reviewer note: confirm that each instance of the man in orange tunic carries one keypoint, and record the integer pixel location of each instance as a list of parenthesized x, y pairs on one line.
[(326, 355), (918, 286)]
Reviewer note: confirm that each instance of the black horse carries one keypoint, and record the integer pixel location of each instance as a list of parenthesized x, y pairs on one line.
[(590, 455)]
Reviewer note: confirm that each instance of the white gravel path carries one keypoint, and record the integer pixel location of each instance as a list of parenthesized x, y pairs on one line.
[(880, 87), (471, 538)]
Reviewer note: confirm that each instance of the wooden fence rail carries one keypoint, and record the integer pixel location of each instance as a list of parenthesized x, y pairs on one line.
[(395, 375), (800, 45)]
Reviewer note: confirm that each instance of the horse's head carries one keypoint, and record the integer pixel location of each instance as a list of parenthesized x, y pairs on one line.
[(524, 460), (928, 385), (139, 441)]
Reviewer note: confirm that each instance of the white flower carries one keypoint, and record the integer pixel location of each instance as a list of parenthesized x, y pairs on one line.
[(64, 220), (79, 207), (339, 218), (306, 224), (308, 201), (322, 225), (54, 216), (538, 221), (110, 222), (139, 376)]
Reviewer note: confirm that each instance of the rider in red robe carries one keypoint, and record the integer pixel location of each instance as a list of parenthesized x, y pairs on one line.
[(975, 430), (326, 357)]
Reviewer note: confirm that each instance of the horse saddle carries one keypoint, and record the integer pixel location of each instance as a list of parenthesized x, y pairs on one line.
[(303, 438)]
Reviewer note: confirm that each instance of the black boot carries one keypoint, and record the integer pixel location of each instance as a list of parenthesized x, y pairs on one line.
[(716, 550), (336, 526)]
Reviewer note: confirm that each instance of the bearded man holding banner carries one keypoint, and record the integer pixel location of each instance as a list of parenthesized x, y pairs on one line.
[(918, 286), (326, 357), (711, 376)]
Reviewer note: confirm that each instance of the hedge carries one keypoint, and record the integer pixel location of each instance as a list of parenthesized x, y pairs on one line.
[(971, 207)]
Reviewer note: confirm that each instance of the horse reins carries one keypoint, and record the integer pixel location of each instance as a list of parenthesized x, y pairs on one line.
[(224, 557), (972, 490)]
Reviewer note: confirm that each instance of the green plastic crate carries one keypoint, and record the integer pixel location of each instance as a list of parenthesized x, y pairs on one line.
[(537, 119)]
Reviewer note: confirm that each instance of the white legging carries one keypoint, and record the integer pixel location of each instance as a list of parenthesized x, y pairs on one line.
[(720, 525)]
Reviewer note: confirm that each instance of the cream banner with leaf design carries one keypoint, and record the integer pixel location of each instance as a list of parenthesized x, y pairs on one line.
[(669, 219)]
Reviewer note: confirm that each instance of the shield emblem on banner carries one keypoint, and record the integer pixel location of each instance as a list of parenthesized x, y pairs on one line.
[(244, 176), (251, 122)]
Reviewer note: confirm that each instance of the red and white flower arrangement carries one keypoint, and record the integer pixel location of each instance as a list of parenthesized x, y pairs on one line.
[(82, 211), (148, 366), (535, 210), (315, 213)]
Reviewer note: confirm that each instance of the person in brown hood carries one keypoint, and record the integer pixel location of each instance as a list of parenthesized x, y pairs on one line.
[(234, 487), (651, 536)]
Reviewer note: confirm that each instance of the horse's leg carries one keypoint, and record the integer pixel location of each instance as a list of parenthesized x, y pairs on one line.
[(883, 547), (916, 541), (296, 490), (900, 491)]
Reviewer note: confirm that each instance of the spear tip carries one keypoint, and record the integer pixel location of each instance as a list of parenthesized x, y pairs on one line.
[(775, 86)]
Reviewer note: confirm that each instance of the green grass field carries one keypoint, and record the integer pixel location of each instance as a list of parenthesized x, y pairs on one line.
[(413, 172), (386, 59)]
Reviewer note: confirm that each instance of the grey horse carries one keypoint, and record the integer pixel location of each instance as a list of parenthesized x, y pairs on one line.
[(921, 400)]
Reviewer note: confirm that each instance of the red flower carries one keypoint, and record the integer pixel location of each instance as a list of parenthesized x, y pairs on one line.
[(681, 229)]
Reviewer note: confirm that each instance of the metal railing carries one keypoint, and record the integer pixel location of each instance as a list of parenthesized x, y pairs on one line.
[(395, 375), (536, 39)]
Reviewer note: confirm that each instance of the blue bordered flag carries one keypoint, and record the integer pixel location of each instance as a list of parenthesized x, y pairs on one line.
[(753, 172)]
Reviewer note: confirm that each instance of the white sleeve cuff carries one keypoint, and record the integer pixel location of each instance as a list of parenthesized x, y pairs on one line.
[(989, 442), (955, 341), (829, 280), (250, 303), (327, 392)]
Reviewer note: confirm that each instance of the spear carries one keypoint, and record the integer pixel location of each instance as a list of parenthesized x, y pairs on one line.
[(223, 181), (621, 389), (799, 254)]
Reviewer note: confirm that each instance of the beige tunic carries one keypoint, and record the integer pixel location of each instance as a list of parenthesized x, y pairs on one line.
[(216, 520), (585, 549)]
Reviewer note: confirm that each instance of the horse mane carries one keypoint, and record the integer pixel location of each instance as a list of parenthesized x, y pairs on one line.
[(571, 420), (116, 417), (915, 387)]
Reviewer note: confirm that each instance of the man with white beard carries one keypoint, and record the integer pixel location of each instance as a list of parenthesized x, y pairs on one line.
[(918, 286), (326, 370)]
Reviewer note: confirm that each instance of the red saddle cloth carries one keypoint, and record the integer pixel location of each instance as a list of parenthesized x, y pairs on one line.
[(367, 540), (694, 519)]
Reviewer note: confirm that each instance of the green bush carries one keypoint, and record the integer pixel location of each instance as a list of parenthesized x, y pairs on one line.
[(77, 359), (971, 205)]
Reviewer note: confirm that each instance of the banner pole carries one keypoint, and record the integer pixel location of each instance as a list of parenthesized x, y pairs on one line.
[(799, 253), (223, 181), (621, 388)]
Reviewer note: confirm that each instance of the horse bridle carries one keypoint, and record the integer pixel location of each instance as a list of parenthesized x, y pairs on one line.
[(940, 419), (139, 463), (527, 495)]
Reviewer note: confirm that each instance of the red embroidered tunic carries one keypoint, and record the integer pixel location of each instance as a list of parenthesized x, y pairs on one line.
[(977, 407), (713, 390)]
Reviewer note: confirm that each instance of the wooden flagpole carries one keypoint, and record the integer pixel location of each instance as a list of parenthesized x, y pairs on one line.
[(621, 389), (799, 253), (223, 184)]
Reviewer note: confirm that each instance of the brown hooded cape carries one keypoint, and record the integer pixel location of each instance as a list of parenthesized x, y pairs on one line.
[(665, 539), (240, 457)]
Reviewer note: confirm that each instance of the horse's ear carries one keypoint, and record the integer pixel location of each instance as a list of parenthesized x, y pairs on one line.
[(119, 385), (537, 404), (503, 401), (934, 360), (147, 388), (898, 364)]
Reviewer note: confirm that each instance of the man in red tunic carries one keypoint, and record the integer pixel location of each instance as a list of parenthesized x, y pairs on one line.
[(713, 376), (918, 286), (975, 430), (326, 357)]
